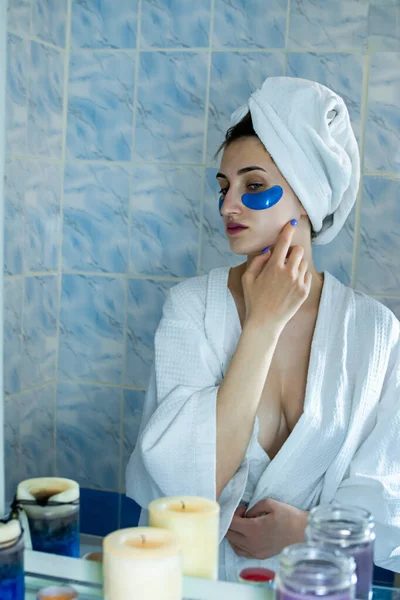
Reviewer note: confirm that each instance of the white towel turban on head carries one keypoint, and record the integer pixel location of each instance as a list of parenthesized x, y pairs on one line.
[(306, 128)]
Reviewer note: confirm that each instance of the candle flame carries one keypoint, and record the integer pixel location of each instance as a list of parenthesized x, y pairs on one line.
[(183, 505)]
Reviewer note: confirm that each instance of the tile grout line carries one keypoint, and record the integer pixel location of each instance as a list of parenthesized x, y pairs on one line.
[(205, 140), (33, 38), (81, 382), (126, 280), (286, 37), (61, 214), (124, 163), (357, 224), (205, 50)]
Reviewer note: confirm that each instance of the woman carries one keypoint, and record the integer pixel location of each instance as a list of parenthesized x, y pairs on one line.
[(276, 388)]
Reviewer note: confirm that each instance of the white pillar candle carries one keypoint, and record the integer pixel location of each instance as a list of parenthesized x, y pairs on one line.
[(196, 523), (143, 563)]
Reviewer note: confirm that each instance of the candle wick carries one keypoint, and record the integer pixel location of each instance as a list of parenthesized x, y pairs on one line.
[(143, 538), (183, 505)]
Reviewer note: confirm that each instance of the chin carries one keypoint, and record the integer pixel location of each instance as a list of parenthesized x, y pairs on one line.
[(246, 249)]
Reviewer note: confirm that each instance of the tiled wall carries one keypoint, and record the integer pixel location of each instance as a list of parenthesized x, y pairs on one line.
[(115, 109)]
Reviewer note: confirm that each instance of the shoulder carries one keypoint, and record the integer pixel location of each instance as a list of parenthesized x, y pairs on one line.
[(369, 317), (188, 299)]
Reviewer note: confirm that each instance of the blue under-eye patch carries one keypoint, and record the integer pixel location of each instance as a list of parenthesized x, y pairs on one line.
[(260, 200)]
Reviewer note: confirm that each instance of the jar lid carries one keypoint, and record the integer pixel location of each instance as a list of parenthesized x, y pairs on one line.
[(56, 489), (256, 575), (57, 593), (10, 531)]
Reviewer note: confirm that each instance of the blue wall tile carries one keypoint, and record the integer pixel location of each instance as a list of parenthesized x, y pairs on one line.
[(42, 216), (100, 106), (382, 142), (49, 21), (145, 302), (13, 295), (19, 15), (91, 328), (95, 230), (339, 71), (171, 106), (215, 250), (104, 23), (234, 76), (14, 198), (133, 409), (11, 445), (384, 28), (99, 512), (40, 329), (36, 415), (130, 512), (175, 23), (337, 256), (250, 23), (45, 109), (378, 264), (17, 94), (88, 434), (165, 220), (339, 24)]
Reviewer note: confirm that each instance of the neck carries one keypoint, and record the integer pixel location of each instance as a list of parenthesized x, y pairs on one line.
[(314, 296)]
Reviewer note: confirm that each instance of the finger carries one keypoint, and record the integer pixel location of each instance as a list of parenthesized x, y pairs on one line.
[(283, 244), (241, 525), (241, 510), (256, 266), (264, 506), (240, 552), (303, 266), (307, 281), (295, 257), (235, 538)]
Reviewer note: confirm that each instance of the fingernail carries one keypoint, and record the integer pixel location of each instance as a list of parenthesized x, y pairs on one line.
[(294, 222), (266, 250)]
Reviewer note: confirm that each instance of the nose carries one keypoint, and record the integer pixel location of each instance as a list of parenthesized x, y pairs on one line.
[(231, 203)]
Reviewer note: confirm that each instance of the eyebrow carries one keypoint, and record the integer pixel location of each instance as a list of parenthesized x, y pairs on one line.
[(242, 171)]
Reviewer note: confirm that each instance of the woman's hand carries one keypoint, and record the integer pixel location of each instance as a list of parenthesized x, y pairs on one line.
[(266, 529), (276, 285)]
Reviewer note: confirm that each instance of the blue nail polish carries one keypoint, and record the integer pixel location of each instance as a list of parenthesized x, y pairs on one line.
[(266, 250), (294, 222)]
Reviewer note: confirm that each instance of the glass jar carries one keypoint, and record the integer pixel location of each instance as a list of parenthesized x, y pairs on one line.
[(12, 576), (351, 530), (51, 505), (307, 571)]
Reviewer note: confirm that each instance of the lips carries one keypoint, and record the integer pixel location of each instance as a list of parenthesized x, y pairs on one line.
[(235, 228)]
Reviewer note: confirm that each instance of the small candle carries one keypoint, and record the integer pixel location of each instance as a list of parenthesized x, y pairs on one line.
[(51, 505), (144, 563), (196, 523)]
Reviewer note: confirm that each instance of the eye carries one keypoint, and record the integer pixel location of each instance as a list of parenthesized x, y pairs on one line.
[(223, 192), (254, 187)]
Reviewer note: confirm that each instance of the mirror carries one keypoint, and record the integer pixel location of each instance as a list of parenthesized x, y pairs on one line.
[(113, 118)]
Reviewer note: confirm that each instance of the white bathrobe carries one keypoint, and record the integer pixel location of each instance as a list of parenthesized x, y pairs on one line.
[(345, 446)]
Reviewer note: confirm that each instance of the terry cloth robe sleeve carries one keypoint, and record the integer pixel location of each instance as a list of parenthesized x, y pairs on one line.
[(176, 449), (373, 478)]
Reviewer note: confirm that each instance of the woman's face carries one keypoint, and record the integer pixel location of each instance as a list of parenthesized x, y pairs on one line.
[(247, 168)]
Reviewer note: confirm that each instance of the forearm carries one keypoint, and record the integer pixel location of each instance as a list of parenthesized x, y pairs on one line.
[(239, 397)]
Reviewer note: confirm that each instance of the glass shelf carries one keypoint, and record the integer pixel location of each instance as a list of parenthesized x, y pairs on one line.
[(44, 570)]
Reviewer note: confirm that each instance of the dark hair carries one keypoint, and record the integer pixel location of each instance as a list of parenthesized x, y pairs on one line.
[(242, 129)]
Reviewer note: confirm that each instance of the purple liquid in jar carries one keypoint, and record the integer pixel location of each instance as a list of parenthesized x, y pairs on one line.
[(308, 572), (350, 530)]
